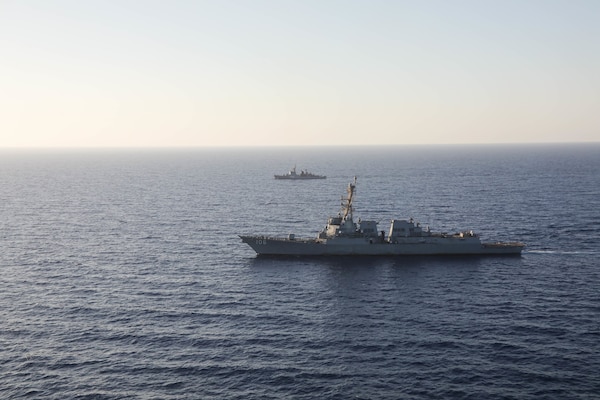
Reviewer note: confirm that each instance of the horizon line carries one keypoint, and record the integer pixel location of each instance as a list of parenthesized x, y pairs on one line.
[(193, 147)]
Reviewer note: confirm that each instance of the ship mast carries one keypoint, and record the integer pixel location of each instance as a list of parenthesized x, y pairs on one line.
[(347, 208)]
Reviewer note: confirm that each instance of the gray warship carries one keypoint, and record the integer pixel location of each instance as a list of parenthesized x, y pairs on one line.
[(343, 236), (304, 174)]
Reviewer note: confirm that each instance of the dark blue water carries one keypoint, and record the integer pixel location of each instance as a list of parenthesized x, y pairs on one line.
[(122, 276)]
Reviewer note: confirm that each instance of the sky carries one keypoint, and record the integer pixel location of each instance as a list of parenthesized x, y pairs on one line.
[(181, 73)]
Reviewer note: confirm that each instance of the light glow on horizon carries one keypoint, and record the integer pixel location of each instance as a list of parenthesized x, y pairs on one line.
[(267, 72)]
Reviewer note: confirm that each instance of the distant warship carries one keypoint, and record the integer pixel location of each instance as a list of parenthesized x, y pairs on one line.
[(343, 236), (304, 174)]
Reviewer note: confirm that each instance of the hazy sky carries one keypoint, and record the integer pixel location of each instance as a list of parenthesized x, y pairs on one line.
[(257, 72)]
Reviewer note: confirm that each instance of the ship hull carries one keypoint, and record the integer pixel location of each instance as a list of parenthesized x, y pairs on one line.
[(299, 177), (372, 247)]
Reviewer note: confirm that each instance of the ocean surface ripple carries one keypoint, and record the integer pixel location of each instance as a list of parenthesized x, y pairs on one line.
[(122, 276)]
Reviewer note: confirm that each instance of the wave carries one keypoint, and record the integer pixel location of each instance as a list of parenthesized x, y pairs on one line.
[(564, 252)]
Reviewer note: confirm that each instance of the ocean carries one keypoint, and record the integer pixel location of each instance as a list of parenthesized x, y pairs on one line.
[(122, 275)]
